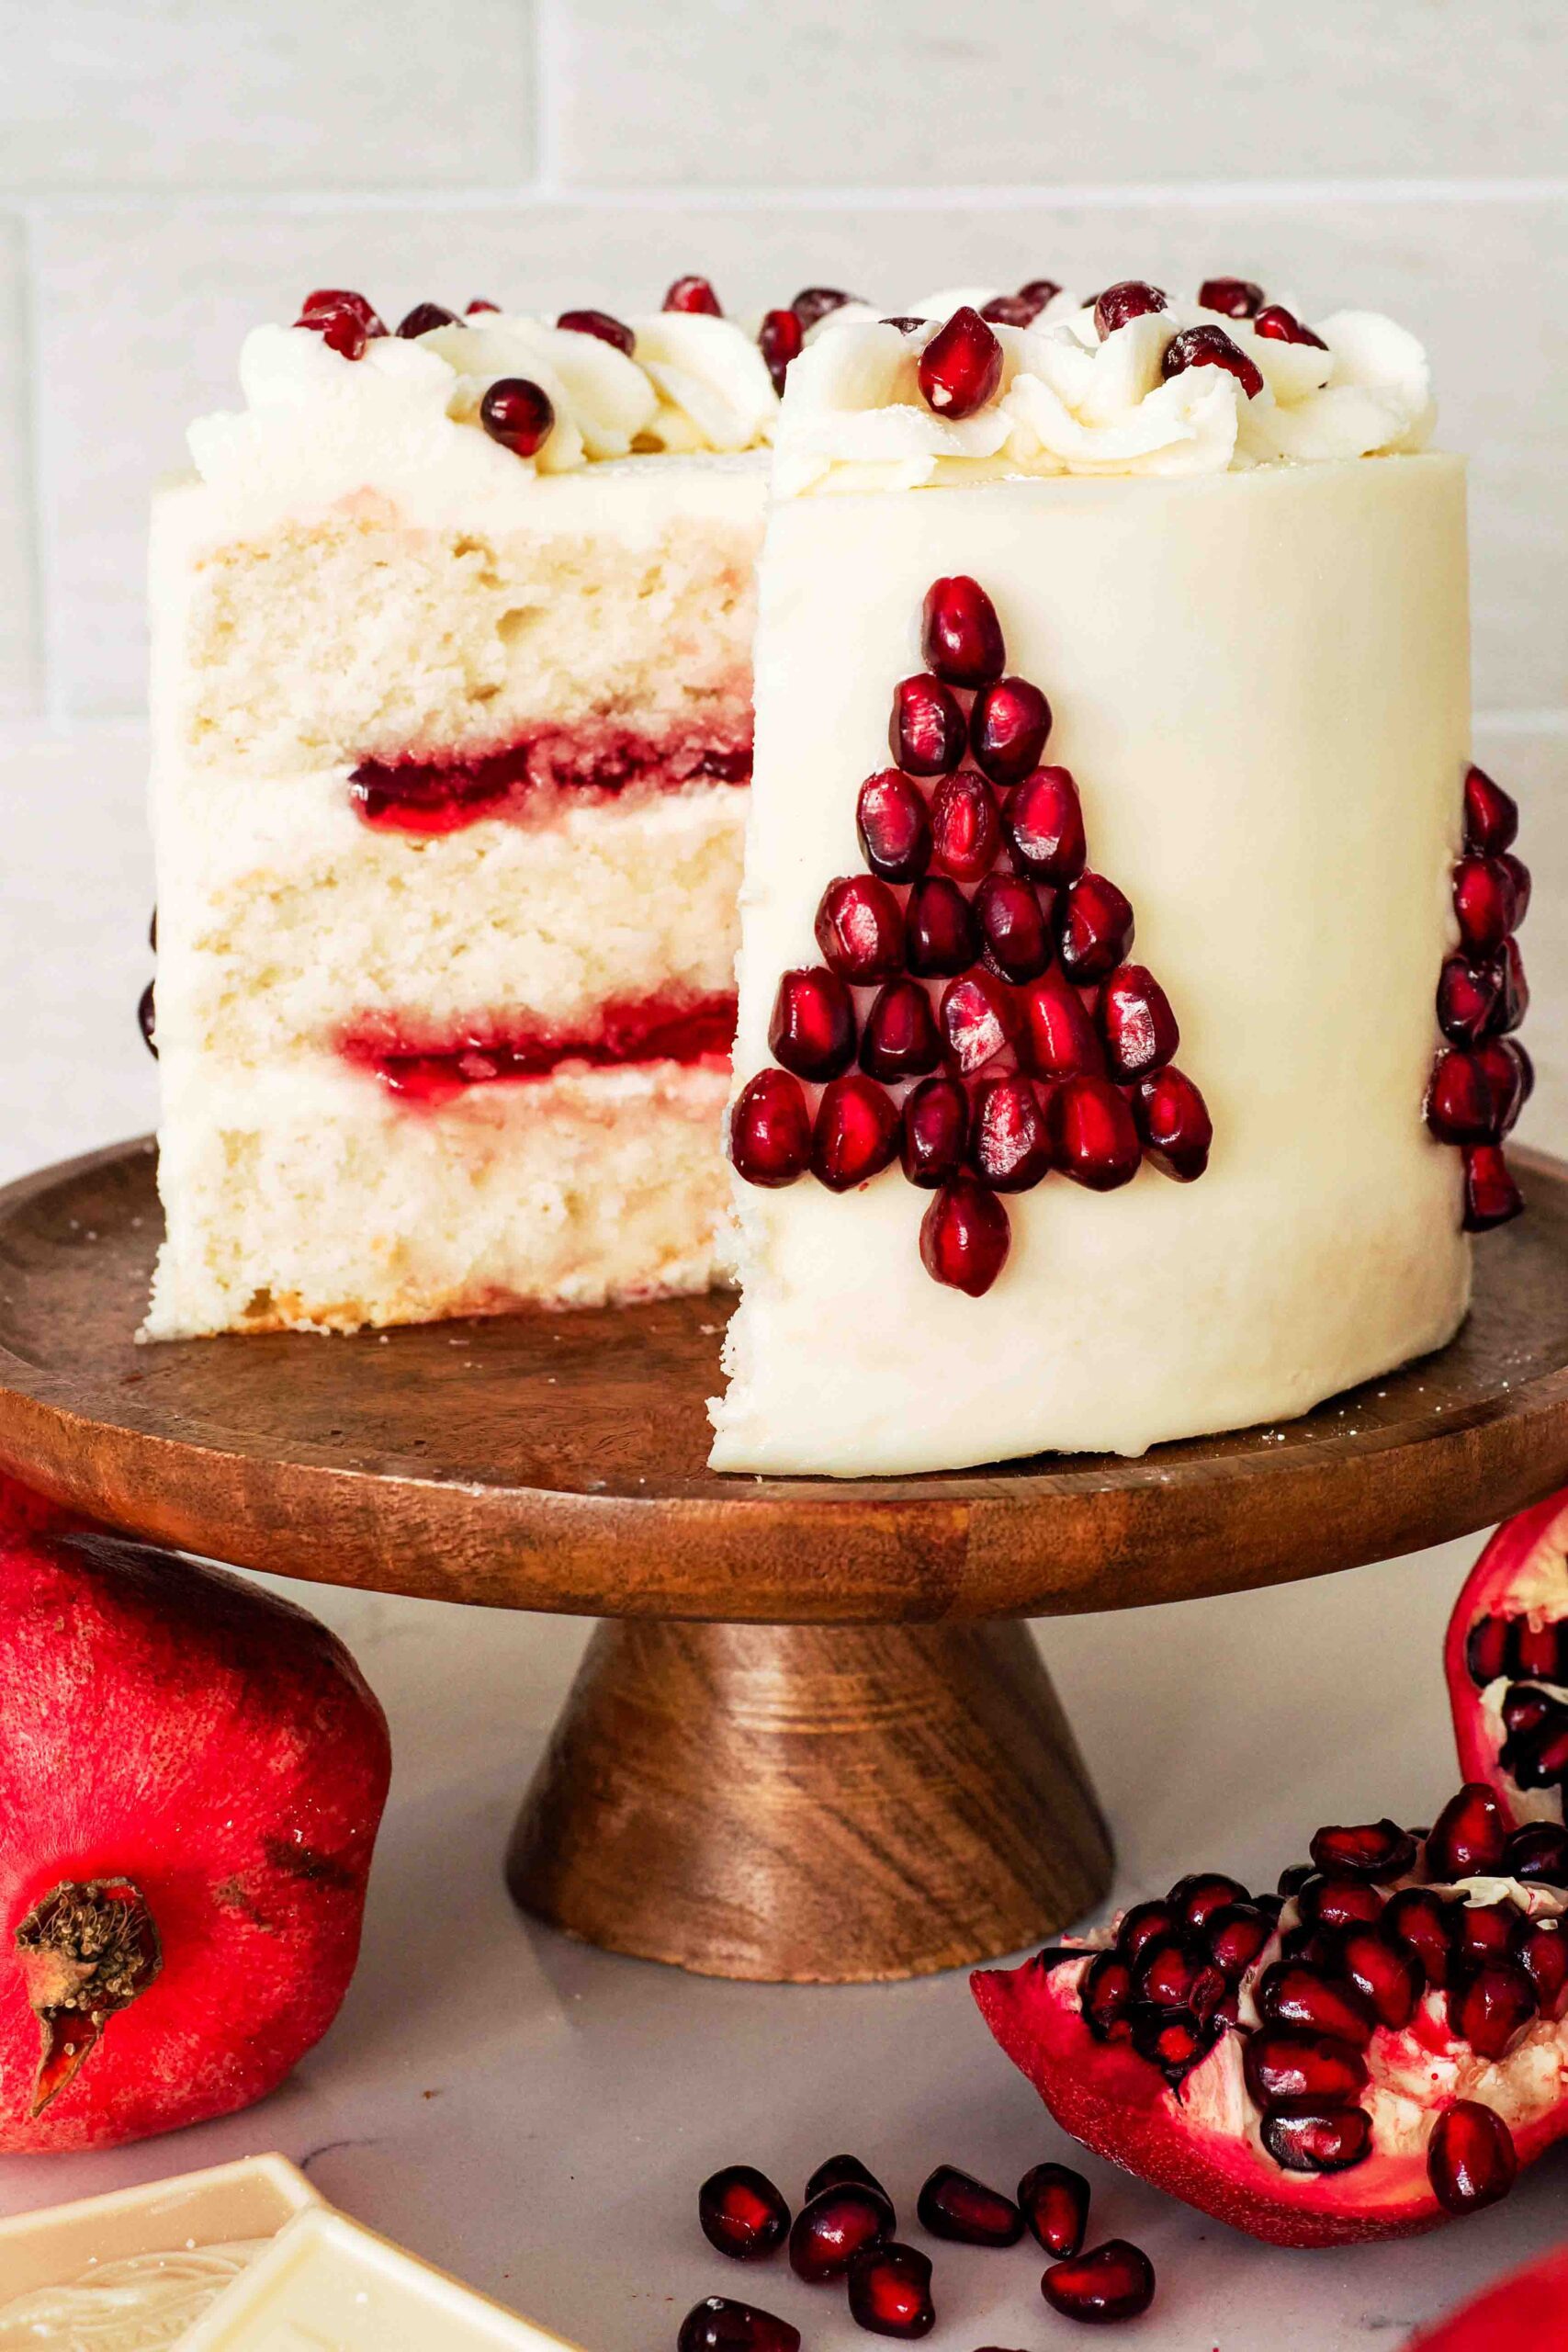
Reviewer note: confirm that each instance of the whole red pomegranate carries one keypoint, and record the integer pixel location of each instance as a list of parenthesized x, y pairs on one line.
[(191, 1777), (1507, 1661), (1528, 2312)]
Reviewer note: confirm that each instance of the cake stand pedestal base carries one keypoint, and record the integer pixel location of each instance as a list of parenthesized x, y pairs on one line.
[(805, 1804)]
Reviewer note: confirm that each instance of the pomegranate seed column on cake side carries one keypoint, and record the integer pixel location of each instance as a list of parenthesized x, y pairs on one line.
[(1113, 822)]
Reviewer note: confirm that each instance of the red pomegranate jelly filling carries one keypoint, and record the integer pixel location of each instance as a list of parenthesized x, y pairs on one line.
[(594, 764), (691, 1031)]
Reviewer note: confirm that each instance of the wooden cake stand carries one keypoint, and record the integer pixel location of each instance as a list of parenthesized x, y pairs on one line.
[(813, 1743)]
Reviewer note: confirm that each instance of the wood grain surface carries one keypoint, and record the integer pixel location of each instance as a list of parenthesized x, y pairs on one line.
[(556, 1461)]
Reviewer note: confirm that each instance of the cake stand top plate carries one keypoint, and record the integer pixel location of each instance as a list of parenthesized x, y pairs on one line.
[(556, 1461)]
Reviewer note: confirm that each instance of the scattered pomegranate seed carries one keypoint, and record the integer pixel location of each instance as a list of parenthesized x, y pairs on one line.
[(1211, 347), (472, 309), (423, 317), (940, 936), (841, 2168), (1014, 926), (1010, 1148), (814, 302), (1470, 998), (855, 1136), (980, 1017), (518, 414), (1130, 297), (780, 338), (1317, 2139), (894, 827), (694, 294), (890, 2292), (1094, 927), (955, 2205), (1421, 1922), (1491, 1195), (1043, 824), (901, 1038), (812, 1031), (837, 2221), (1173, 1124), (1053, 2200), (1374, 1849), (769, 1130), (1283, 2063), (936, 1133), (1058, 1038), (742, 2213), (147, 1018), (1467, 1836), (960, 367), (927, 729), (601, 326), (1279, 325), (1491, 815), (1137, 1024), (1233, 298), (1007, 726), (961, 636), (716, 2325), (1093, 1139), (1115, 2281), (965, 825), (965, 1237), (860, 930), (1292, 1993), (1471, 2160)]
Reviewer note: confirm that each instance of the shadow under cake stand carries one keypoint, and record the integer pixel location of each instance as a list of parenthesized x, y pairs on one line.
[(812, 1741)]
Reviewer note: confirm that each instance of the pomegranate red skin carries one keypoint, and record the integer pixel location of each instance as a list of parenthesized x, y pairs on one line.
[(1523, 1569), (1525, 2313), (231, 1764)]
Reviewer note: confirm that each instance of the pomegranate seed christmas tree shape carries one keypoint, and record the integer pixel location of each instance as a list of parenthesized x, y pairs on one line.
[(1481, 1077)]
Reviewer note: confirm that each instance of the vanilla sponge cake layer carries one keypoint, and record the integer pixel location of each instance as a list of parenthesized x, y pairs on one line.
[(1261, 682), (310, 1199)]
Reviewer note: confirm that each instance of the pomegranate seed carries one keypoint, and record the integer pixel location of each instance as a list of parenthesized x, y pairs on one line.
[(1516, 989), (1237, 1933), (147, 1018), (1058, 1038), (1142, 1924), (1094, 928), (1281, 2063), (966, 827), (835, 2225), (1292, 1879), (1043, 824), (961, 636), (1093, 1139), (1491, 1195), (1421, 1921), (472, 309), (1233, 298), (1538, 1854), (978, 1017), (1173, 1125), (960, 367), (1491, 815), (894, 827), (1486, 1931), (1011, 1149), (1137, 1024), (1542, 1953), (965, 1237), (1211, 347), (1106, 1995), (814, 302), (1470, 2157), (1012, 310), (927, 729), (904, 325), (936, 1133), (780, 338), (1376, 1850), (717, 2325), (901, 1038), (1293, 1995), (1470, 998), (1014, 926), (855, 1136), (341, 330), (1493, 2007), (424, 317), (1468, 1837), (955, 2205), (1172, 1975), (1518, 874), (1053, 2200), (1486, 1650), (742, 2213), (1317, 2139), (518, 414), (340, 297), (1039, 290), (1336, 1903), (812, 1031), (1007, 726), (1503, 1066), (1538, 1646), (1115, 2281), (1386, 1976), (1461, 1106), (1486, 900), (1172, 2040), (860, 930), (600, 325), (769, 1130), (890, 2292), (1130, 297), (940, 936), (842, 2169), (1277, 324), (694, 294)]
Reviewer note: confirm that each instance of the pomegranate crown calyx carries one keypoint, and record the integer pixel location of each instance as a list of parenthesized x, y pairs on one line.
[(86, 1950)]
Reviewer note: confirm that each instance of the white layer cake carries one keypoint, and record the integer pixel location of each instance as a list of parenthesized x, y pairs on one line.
[(1260, 676)]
